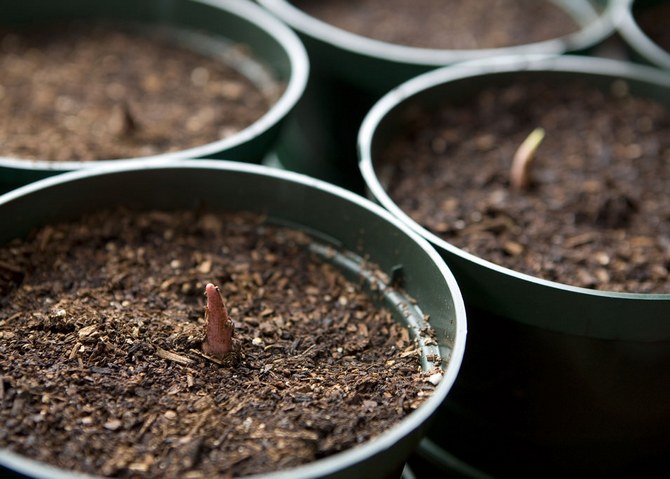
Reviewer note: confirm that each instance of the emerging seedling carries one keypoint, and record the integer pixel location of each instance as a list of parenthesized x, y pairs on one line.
[(123, 121), (219, 342), (523, 159)]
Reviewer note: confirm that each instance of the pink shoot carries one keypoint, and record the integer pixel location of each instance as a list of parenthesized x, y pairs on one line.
[(219, 339)]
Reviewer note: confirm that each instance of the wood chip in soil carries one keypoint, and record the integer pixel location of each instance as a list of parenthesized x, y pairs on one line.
[(101, 324), (596, 214)]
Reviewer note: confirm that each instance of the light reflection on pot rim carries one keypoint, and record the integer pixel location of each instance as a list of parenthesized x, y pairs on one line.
[(531, 63), (295, 86), (321, 467), (595, 28)]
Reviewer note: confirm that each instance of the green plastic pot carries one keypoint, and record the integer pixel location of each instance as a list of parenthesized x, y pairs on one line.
[(358, 230), (638, 42), (558, 379), (274, 49), (350, 72)]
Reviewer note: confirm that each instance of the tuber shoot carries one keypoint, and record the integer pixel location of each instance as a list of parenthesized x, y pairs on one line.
[(219, 341), (523, 160)]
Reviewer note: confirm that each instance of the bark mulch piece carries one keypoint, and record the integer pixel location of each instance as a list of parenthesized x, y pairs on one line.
[(101, 327)]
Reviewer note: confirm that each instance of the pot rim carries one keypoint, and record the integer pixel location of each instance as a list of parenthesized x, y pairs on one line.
[(321, 467), (295, 86), (594, 30), (405, 91), (635, 37)]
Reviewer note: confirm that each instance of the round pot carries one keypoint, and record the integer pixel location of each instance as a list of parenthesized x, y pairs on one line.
[(274, 49), (353, 227), (557, 378), (377, 66), (637, 40), (350, 72)]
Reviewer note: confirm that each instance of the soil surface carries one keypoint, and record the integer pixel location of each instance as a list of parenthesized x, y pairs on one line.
[(446, 24), (596, 213), (101, 325), (653, 20), (101, 91)]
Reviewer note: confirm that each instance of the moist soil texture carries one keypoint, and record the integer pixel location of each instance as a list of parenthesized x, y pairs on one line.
[(596, 212), (85, 92), (101, 327), (446, 24)]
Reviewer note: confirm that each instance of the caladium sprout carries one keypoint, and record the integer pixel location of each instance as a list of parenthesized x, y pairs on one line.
[(219, 341), (523, 159)]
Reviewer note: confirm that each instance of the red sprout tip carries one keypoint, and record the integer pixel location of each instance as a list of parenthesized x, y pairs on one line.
[(219, 338)]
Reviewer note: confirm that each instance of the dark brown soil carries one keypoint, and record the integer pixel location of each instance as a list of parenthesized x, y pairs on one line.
[(653, 20), (102, 322), (446, 24), (596, 214), (104, 91)]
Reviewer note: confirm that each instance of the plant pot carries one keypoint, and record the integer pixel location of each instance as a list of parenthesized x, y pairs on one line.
[(352, 226), (350, 72), (640, 44), (275, 55), (558, 379)]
